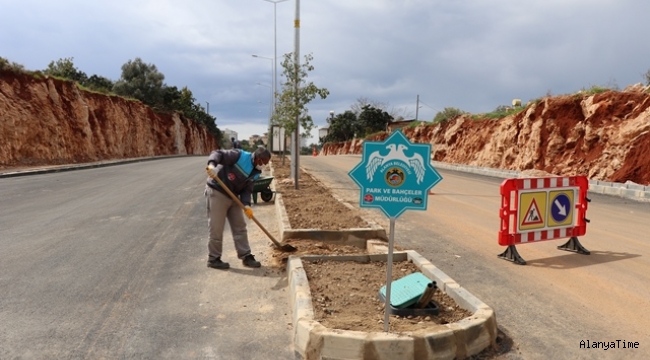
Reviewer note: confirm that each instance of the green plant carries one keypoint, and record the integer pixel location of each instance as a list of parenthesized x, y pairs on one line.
[(595, 89), (374, 134), (296, 93), (417, 123), (141, 81), (342, 127), (5, 65), (447, 114), (64, 69), (372, 119), (500, 112)]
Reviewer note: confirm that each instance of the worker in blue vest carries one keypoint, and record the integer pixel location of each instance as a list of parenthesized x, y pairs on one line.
[(238, 170)]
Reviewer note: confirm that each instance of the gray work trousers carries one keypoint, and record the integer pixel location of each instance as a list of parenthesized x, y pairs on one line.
[(220, 207)]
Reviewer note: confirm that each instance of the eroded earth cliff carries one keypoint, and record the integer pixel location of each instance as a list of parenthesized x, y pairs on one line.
[(605, 136), (46, 121)]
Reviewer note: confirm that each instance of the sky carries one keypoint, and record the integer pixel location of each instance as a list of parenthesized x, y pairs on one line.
[(473, 55)]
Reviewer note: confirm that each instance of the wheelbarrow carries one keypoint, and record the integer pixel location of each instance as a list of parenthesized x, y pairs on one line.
[(262, 186)]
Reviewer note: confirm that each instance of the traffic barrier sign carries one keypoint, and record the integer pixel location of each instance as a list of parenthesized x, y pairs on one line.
[(538, 209), (532, 211), (560, 208)]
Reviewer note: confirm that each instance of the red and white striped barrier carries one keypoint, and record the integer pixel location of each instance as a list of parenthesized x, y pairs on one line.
[(539, 209)]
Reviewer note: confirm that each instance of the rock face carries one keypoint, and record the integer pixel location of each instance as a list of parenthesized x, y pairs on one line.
[(604, 137), (48, 121)]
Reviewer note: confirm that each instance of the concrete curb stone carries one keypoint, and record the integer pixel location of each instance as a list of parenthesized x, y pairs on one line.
[(69, 167), (456, 340), (630, 191)]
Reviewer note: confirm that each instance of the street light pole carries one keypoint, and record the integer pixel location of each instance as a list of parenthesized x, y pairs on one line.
[(275, 59), (275, 47), (270, 103), (295, 153), (270, 128), (272, 88)]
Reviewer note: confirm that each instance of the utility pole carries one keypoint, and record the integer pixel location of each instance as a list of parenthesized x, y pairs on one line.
[(295, 155), (208, 110), (417, 107), (274, 88)]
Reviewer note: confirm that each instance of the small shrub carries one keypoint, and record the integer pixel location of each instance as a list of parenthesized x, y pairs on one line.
[(417, 123), (5, 65), (447, 114), (500, 112), (595, 90)]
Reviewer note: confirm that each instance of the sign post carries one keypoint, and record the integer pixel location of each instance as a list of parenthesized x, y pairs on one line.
[(394, 175)]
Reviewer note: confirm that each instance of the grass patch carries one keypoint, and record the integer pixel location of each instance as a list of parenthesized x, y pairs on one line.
[(500, 113)]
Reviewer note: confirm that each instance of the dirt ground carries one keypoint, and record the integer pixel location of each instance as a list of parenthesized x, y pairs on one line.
[(312, 206), (345, 296), (345, 293)]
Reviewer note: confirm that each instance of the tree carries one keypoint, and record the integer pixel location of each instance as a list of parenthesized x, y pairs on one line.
[(99, 83), (357, 107), (292, 104), (246, 145), (141, 81), (447, 114), (342, 127), (372, 120), (64, 68), (171, 98), (5, 64), (184, 102), (395, 113)]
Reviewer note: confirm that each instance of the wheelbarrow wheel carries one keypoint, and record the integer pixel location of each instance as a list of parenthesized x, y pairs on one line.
[(266, 195)]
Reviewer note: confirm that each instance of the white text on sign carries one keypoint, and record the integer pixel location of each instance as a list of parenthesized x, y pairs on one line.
[(394, 191)]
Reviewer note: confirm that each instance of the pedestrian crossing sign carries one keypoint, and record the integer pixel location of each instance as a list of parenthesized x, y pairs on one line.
[(532, 210)]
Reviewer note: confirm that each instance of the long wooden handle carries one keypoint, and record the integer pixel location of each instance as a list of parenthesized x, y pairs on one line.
[(236, 199), (223, 186)]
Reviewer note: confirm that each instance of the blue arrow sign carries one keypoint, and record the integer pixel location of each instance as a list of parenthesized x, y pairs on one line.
[(560, 207), (395, 175)]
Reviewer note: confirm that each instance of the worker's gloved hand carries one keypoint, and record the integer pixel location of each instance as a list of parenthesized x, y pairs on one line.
[(211, 170), (248, 211)]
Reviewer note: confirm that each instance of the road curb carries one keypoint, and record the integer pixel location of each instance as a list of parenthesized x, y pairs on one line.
[(464, 338), (68, 167), (630, 191)]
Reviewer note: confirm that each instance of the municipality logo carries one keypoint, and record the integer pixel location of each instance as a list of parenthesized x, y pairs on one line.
[(395, 177)]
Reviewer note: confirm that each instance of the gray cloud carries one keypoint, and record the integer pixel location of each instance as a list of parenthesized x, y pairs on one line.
[(473, 55)]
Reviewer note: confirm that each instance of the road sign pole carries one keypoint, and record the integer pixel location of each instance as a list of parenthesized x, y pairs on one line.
[(394, 175), (389, 273)]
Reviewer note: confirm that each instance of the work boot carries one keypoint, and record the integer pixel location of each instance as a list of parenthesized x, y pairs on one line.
[(216, 263), (249, 260)]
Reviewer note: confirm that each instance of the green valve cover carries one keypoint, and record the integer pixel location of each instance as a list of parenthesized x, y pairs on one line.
[(406, 291)]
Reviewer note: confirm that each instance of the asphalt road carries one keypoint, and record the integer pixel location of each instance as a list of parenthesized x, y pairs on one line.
[(109, 263), (559, 298)]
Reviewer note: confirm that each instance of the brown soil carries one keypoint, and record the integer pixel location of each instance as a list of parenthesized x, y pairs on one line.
[(345, 296), (312, 206), (311, 247)]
